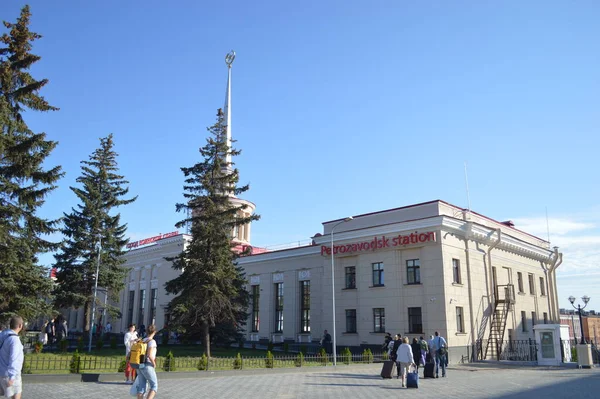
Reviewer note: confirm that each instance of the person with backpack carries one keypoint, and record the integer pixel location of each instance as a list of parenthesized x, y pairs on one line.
[(130, 338), (11, 359), (143, 357), (441, 350)]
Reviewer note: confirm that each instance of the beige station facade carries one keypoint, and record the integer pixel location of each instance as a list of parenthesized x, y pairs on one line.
[(411, 270)]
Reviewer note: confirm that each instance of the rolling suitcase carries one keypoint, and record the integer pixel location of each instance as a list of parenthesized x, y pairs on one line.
[(412, 379), (387, 371), (428, 370)]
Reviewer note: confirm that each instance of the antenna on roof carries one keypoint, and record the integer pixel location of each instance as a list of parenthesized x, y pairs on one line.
[(467, 185), (547, 225)]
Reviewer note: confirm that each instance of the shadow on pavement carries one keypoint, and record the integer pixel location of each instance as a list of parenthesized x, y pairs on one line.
[(581, 388)]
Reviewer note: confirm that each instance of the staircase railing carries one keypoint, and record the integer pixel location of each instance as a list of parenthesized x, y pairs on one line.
[(503, 302)]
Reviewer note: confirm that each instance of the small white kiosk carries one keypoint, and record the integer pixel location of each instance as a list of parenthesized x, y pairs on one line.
[(547, 337)]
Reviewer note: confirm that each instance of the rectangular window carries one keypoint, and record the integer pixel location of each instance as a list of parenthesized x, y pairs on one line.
[(305, 306), (351, 320), (531, 284), (350, 277), (520, 282), (377, 274), (413, 271), (460, 321), (542, 287), (255, 299), (379, 320), (153, 303), (456, 271), (130, 310), (279, 307), (524, 321), (415, 322), (533, 318), (142, 307), (545, 318)]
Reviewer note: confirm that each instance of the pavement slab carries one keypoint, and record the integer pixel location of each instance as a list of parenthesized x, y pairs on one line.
[(347, 382)]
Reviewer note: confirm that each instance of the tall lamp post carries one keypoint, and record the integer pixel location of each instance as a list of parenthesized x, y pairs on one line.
[(333, 289), (585, 300), (99, 249)]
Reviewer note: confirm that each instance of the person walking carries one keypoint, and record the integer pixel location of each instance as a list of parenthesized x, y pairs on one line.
[(416, 350), (441, 350), (147, 373), (424, 350), (405, 359), (393, 353), (326, 342), (11, 359), (431, 345), (50, 330), (129, 339)]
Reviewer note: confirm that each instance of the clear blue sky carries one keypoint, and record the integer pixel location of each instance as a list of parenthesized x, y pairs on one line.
[(339, 107)]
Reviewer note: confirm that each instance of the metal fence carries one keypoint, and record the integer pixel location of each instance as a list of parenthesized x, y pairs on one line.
[(96, 364), (513, 350)]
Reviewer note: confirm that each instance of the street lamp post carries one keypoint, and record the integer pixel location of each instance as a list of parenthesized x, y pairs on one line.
[(333, 289), (585, 300), (99, 249)]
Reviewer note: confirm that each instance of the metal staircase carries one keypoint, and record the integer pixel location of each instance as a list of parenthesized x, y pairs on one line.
[(505, 298)]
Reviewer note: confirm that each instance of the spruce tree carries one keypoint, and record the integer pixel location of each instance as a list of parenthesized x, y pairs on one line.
[(93, 221), (211, 288), (25, 181)]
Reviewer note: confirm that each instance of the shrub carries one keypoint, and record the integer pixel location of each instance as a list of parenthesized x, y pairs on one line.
[(203, 362), (269, 360), (27, 366), (299, 360), (574, 354), (237, 362), (37, 347), (99, 343), (270, 346), (122, 366), (113, 343), (346, 355), (286, 347), (385, 356), (63, 345), (367, 356), (75, 365), (322, 356), (80, 344), (169, 364)]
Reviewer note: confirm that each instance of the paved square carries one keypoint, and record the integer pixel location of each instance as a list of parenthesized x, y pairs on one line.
[(348, 382)]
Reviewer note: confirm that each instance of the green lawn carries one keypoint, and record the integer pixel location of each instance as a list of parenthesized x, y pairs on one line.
[(186, 359)]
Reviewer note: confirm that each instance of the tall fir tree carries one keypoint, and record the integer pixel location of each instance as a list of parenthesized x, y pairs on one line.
[(211, 289), (25, 181), (93, 221)]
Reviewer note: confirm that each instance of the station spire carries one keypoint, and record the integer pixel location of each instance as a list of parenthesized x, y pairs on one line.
[(228, 60)]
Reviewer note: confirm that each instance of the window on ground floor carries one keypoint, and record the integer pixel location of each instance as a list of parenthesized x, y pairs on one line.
[(415, 321), (379, 320)]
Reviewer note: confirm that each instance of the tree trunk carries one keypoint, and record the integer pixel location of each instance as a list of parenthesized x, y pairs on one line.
[(87, 314), (206, 338)]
